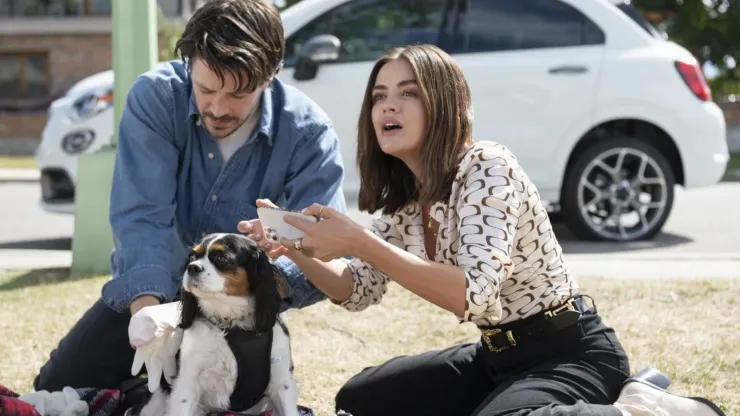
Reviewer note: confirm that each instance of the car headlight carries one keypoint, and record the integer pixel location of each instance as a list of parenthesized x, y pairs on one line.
[(91, 104)]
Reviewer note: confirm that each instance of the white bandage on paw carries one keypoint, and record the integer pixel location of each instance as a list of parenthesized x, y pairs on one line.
[(153, 321), (159, 357), (153, 332)]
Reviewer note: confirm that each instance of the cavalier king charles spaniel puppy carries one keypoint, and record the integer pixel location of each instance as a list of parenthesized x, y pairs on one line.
[(235, 353)]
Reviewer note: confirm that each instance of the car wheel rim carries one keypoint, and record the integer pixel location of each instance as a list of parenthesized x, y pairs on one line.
[(622, 194)]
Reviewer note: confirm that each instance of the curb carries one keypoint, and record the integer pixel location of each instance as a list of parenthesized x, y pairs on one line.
[(655, 270), (19, 175), (656, 266), (21, 259), (654, 256)]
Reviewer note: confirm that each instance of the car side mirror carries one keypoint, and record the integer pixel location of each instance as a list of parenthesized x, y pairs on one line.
[(315, 51)]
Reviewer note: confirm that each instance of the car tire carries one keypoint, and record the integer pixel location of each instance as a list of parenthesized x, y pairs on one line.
[(588, 180)]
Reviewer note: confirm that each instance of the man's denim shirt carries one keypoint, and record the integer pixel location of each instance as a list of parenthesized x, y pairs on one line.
[(170, 187)]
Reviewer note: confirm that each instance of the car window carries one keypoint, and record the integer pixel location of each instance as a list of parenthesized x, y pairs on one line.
[(506, 25), (630, 11), (368, 28)]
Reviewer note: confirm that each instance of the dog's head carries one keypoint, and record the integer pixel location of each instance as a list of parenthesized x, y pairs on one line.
[(229, 279)]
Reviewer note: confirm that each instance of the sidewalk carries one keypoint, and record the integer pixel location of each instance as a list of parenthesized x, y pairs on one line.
[(19, 175)]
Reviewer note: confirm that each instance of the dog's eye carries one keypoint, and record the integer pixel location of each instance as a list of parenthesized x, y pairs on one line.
[(219, 258)]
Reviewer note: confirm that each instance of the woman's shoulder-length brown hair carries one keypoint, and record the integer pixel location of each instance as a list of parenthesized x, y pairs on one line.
[(387, 184)]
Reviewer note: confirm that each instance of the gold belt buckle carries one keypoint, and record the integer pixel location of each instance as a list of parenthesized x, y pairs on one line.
[(490, 332), (568, 305)]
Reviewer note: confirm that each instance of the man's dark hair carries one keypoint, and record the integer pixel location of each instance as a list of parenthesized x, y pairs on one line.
[(241, 38)]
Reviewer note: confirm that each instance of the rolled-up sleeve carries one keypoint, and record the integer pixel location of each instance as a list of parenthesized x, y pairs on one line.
[(370, 284), (315, 175), (488, 213), (142, 201)]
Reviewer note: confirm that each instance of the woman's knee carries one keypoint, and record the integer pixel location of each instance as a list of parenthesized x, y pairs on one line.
[(350, 398)]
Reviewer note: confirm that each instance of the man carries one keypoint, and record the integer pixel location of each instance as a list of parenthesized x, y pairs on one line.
[(199, 143)]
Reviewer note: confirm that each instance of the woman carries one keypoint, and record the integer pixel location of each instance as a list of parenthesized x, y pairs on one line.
[(462, 227)]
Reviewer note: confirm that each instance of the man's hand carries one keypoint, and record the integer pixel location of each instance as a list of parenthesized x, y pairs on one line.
[(141, 302), (254, 231)]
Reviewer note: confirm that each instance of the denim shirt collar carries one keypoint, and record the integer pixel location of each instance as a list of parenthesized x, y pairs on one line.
[(264, 125)]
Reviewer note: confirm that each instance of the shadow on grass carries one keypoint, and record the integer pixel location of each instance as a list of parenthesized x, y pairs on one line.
[(38, 277)]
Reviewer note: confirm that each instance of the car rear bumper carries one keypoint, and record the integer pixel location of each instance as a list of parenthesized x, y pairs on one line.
[(705, 152)]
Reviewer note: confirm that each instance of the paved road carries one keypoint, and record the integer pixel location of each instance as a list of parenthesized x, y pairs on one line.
[(702, 236)]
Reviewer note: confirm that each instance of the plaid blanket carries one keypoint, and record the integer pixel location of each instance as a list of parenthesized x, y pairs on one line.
[(101, 402)]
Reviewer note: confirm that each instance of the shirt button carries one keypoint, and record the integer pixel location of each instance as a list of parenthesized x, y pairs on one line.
[(210, 155), (198, 122), (214, 197)]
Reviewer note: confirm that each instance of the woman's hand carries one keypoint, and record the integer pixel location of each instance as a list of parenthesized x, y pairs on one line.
[(254, 230), (335, 235)]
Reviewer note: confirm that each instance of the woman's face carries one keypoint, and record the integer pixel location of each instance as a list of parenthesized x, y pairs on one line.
[(398, 111)]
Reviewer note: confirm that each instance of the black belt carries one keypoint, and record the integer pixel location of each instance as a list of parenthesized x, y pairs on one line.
[(510, 335)]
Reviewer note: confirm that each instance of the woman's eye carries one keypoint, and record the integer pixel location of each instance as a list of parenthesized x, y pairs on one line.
[(377, 97)]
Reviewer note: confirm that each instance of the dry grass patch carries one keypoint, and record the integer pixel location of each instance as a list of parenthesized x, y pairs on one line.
[(689, 329), (17, 162)]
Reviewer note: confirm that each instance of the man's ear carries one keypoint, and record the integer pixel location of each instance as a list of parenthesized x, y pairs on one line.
[(267, 298), (189, 309)]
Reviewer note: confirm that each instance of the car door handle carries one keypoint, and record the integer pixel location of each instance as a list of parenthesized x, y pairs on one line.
[(568, 69)]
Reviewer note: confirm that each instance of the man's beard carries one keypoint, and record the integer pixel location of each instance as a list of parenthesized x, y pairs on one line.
[(220, 134)]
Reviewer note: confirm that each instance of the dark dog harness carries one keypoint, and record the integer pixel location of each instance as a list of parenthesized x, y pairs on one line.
[(252, 351)]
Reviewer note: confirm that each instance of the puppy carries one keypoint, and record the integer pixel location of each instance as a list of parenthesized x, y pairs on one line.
[(235, 353)]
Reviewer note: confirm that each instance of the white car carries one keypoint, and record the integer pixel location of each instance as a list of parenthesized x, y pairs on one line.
[(604, 114)]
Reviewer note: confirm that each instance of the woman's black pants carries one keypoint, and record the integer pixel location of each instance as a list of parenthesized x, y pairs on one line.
[(578, 370)]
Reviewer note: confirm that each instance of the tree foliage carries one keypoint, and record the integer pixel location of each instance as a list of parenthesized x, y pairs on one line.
[(709, 29), (169, 33)]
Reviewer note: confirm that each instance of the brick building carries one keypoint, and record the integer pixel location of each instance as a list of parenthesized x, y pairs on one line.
[(45, 47)]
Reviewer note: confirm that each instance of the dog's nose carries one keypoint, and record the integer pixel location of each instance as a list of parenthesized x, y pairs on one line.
[(194, 269)]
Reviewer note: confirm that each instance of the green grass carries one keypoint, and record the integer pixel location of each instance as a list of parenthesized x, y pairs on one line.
[(734, 161), (732, 173), (17, 162), (688, 329)]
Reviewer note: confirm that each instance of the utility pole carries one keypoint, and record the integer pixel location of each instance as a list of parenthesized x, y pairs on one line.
[(134, 42)]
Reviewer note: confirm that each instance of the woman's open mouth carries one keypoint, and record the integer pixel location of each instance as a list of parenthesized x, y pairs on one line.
[(391, 127)]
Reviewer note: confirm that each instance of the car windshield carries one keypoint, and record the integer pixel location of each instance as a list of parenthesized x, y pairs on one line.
[(630, 11)]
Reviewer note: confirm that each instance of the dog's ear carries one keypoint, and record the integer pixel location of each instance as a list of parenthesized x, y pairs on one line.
[(282, 285), (262, 276), (189, 309)]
